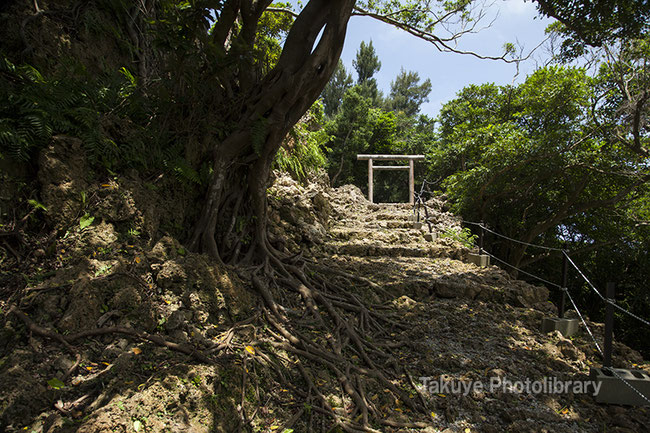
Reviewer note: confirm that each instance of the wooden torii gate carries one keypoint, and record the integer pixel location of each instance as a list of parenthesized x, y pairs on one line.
[(371, 168)]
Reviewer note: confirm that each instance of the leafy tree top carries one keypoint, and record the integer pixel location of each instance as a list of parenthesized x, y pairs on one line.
[(407, 94), (599, 21), (335, 89), (367, 62)]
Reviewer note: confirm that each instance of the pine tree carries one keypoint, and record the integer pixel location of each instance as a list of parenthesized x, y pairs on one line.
[(335, 89), (367, 64), (406, 94)]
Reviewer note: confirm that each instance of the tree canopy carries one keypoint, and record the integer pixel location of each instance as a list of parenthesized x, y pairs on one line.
[(600, 21), (529, 161), (367, 63), (335, 89), (407, 94), (217, 82)]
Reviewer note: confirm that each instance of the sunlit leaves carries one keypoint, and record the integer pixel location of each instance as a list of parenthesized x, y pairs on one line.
[(303, 150), (595, 22), (272, 30), (56, 383), (85, 221), (517, 155), (424, 15), (407, 93)]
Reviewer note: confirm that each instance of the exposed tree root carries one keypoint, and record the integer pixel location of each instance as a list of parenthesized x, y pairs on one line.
[(39, 330), (342, 338), (67, 340), (316, 328)]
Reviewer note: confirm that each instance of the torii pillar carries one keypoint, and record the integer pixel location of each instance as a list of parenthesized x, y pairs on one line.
[(410, 158)]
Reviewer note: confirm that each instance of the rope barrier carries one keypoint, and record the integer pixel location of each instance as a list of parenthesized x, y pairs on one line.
[(606, 300), (629, 313), (609, 301), (629, 384), (584, 276), (585, 323), (511, 239), (582, 319), (524, 272), (420, 202), (618, 376)]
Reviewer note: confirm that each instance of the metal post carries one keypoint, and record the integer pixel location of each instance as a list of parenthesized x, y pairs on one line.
[(481, 235), (565, 274), (370, 180), (609, 325), (411, 182)]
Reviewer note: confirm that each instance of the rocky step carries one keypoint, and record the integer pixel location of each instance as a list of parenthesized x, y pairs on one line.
[(376, 250), (392, 236), (450, 288), (383, 216), (421, 277), (389, 206), (373, 224), (390, 224)]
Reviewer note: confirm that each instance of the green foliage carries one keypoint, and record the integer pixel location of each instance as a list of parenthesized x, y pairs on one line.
[(185, 173), (23, 124), (33, 108), (302, 153), (56, 383), (258, 135), (464, 236), (622, 85), (35, 204), (272, 29), (359, 127), (85, 221), (350, 132), (596, 22), (333, 93), (421, 15), (384, 131), (406, 94), (527, 161), (367, 62)]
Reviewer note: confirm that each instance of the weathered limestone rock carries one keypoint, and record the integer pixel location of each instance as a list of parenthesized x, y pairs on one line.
[(62, 174)]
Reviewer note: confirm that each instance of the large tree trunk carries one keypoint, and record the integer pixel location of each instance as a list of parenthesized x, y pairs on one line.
[(232, 225)]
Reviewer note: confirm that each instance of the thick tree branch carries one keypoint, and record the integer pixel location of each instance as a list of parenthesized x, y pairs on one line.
[(224, 25), (282, 11), (636, 124), (570, 207)]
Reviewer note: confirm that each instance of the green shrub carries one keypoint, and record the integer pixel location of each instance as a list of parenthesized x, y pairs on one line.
[(302, 152), (464, 236)]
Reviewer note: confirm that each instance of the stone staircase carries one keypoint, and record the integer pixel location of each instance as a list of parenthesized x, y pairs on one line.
[(339, 228), (379, 242), (384, 230)]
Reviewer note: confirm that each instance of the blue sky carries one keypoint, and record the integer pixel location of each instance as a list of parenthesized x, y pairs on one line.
[(516, 21)]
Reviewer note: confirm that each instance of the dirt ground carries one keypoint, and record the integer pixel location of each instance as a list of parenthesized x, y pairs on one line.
[(109, 325)]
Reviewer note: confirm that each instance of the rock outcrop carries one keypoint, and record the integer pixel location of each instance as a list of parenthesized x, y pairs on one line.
[(339, 226)]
